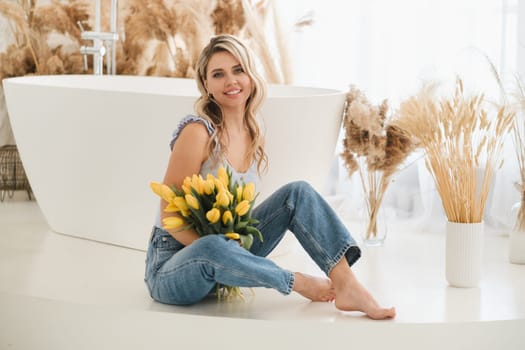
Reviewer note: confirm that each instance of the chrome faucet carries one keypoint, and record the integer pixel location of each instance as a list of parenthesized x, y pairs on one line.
[(104, 43)]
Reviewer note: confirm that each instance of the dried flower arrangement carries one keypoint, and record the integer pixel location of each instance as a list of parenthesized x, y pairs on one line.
[(158, 37), (375, 146), (46, 38), (518, 133), (459, 134), (164, 38)]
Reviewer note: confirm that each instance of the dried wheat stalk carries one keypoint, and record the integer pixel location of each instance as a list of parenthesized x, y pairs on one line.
[(459, 134), (158, 37), (518, 133)]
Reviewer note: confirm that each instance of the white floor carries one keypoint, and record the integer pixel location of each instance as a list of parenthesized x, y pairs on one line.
[(60, 292)]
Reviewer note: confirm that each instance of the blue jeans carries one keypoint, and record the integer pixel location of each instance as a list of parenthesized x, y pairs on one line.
[(181, 275)]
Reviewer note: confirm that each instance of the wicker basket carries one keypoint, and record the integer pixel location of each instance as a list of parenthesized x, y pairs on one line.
[(12, 174)]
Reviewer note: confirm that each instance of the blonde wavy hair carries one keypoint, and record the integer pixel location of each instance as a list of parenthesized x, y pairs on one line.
[(206, 107)]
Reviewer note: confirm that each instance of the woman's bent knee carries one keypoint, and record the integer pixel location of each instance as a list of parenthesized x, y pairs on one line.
[(299, 186)]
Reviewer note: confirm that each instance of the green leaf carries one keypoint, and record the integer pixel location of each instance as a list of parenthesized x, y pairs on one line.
[(177, 191), (241, 225), (247, 241), (253, 221), (199, 220), (254, 231)]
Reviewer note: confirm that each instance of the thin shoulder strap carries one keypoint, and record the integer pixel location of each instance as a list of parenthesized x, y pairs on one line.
[(188, 120)]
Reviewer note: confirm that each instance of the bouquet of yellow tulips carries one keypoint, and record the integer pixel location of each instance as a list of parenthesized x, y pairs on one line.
[(215, 205)]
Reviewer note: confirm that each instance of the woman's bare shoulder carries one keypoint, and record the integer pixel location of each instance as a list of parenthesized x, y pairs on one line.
[(194, 133)]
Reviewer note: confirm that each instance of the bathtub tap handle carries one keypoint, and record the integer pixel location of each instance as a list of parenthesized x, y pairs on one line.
[(98, 51), (79, 24)]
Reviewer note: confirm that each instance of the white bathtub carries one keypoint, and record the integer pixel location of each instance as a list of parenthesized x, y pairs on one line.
[(90, 145)]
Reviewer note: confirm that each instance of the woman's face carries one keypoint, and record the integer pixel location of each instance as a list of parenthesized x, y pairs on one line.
[(227, 82)]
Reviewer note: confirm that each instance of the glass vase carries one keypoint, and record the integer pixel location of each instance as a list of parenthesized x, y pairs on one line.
[(373, 226)]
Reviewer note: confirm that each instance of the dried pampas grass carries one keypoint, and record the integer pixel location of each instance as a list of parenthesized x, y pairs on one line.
[(518, 133), (461, 135), (228, 17), (164, 37), (34, 30), (255, 18), (157, 37), (374, 146)]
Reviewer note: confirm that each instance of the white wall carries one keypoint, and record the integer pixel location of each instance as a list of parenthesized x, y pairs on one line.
[(388, 48)]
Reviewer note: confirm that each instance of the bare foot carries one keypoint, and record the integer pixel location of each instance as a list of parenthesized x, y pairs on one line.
[(314, 288), (352, 296)]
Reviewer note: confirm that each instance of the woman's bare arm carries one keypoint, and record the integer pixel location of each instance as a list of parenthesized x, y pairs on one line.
[(187, 156)]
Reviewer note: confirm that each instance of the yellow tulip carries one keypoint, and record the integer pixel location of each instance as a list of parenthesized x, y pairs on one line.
[(155, 187), (239, 193), (222, 199), (227, 217), (196, 183), (201, 181), (223, 176), (162, 191), (242, 208), (213, 215), (192, 201), (219, 185), (173, 222), (186, 185), (233, 235), (171, 208), (207, 186), (180, 203), (167, 193), (249, 192)]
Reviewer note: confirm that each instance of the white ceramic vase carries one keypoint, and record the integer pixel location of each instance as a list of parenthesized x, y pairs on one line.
[(517, 235), (517, 247), (464, 252)]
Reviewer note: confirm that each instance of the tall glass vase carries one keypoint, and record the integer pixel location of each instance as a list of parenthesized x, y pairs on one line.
[(372, 216), (373, 226)]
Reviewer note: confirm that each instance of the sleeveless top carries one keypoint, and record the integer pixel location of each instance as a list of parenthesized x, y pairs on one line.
[(210, 166)]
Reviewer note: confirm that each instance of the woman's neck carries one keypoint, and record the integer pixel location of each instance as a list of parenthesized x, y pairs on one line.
[(235, 123)]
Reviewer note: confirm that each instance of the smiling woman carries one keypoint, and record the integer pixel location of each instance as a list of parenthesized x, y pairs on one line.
[(227, 83), (184, 265)]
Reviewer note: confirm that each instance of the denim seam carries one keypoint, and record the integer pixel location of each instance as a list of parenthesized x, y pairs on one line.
[(338, 257), (276, 213), (243, 275), (215, 265), (291, 282)]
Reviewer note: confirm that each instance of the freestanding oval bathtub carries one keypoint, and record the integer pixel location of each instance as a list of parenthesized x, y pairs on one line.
[(90, 145)]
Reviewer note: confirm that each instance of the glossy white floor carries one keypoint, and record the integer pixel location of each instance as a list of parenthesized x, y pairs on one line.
[(59, 292)]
